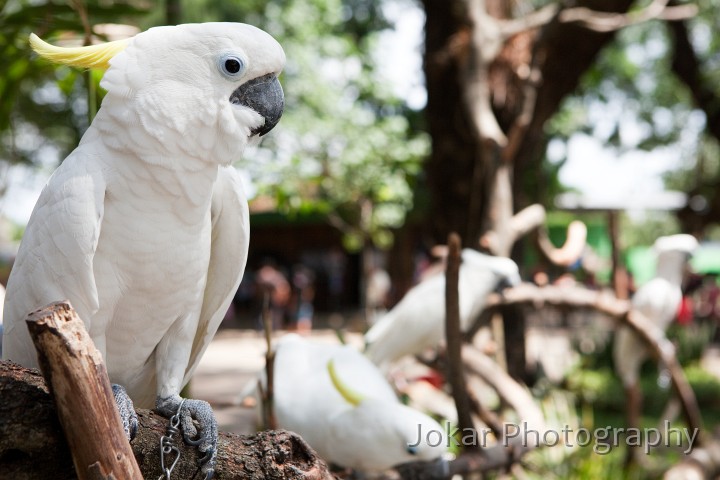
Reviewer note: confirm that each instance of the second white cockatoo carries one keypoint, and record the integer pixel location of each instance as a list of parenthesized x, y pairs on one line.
[(658, 300), (144, 227), (417, 322), (340, 403)]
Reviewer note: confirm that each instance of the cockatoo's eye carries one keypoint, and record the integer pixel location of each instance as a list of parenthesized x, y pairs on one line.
[(231, 66), (412, 449)]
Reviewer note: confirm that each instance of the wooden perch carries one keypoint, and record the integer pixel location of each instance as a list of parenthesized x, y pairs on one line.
[(509, 391), (508, 451), (78, 381), (32, 444)]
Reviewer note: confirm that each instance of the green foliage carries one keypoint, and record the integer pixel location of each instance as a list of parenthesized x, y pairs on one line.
[(645, 230), (345, 147), (630, 99), (633, 76), (43, 108), (691, 340)]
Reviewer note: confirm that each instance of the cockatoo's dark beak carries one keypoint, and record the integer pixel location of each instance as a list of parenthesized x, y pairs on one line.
[(265, 96), (502, 284)]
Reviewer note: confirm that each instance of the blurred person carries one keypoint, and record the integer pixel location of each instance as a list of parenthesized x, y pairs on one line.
[(274, 291), (303, 281)]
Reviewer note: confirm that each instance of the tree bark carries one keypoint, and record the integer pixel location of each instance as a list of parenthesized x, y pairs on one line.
[(32, 445)]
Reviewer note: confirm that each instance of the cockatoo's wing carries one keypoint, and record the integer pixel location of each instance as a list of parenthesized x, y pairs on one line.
[(64, 226), (228, 256), (411, 326)]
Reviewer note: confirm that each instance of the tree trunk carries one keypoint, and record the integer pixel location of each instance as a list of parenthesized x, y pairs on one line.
[(477, 176), (458, 168)]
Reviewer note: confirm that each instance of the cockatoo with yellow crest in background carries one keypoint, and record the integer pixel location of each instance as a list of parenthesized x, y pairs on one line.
[(658, 300), (144, 227), (341, 404)]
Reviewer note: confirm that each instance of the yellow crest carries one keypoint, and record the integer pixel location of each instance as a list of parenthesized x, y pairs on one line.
[(347, 393), (92, 56)]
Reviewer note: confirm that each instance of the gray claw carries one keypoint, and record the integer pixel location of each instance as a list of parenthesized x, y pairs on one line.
[(205, 437), (127, 411)]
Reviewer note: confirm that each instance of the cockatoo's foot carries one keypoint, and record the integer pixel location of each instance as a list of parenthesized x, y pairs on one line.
[(205, 436), (127, 411)]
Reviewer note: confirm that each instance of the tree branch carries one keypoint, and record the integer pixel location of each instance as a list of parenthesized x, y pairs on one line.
[(486, 40), (620, 310), (532, 20), (533, 218), (32, 445), (610, 22)]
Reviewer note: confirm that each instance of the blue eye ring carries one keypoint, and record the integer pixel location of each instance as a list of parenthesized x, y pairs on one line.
[(412, 449), (231, 65)]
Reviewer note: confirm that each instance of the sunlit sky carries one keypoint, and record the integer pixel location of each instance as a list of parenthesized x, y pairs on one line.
[(590, 168)]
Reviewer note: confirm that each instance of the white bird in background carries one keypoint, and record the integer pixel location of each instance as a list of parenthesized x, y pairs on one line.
[(144, 227), (658, 300), (417, 322), (341, 404)]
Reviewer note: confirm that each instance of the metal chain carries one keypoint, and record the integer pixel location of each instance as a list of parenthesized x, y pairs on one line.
[(167, 444)]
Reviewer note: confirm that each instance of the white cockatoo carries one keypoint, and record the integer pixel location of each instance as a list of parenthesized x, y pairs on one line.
[(417, 322), (144, 227), (340, 403), (658, 300)]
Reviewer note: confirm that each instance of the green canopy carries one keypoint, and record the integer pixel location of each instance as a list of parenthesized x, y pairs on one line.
[(707, 258)]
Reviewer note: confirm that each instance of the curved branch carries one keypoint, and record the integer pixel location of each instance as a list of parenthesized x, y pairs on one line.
[(620, 310), (533, 218), (610, 22)]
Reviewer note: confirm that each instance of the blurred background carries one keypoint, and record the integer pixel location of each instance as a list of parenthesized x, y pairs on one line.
[(407, 120)]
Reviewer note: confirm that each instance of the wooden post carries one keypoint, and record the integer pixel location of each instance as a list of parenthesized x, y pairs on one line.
[(453, 336), (267, 394), (619, 275), (76, 376)]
